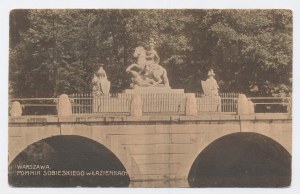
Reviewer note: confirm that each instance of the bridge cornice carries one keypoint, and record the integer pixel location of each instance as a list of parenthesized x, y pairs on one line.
[(144, 119)]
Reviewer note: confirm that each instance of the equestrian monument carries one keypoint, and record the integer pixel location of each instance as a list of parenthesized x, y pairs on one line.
[(147, 75)]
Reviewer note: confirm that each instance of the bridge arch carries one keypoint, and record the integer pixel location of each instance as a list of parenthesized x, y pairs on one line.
[(280, 131), (26, 136), (94, 164), (241, 160)]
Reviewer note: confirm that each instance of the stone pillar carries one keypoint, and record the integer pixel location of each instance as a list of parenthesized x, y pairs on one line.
[(191, 105), (136, 105), (218, 99), (243, 107), (64, 106), (250, 107), (289, 106), (16, 109)]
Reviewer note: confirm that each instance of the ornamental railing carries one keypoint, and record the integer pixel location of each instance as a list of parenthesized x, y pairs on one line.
[(163, 104), (36, 106), (120, 104), (224, 103), (152, 104), (111, 104), (272, 104)]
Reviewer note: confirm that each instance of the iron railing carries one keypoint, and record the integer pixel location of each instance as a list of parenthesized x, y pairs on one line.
[(37, 106), (120, 104), (111, 104), (229, 102), (82, 103), (152, 104), (165, 103), (272, 104), (225, 103)]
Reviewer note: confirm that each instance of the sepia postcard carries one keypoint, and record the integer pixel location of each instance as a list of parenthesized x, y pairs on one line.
[(160, 98)]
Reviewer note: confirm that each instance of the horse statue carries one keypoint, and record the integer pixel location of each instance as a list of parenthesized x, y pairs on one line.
[(148, 72), (139, 80), (140, 65)]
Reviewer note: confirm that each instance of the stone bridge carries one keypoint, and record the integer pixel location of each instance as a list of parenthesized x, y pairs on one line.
[(149, 147)]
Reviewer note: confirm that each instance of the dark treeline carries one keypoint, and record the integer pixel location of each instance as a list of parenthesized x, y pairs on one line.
[(57, 51)]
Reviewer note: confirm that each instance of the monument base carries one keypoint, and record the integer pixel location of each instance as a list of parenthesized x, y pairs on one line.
[(152, 90)]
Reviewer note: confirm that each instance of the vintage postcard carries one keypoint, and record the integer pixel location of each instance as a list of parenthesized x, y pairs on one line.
[(150, 98)]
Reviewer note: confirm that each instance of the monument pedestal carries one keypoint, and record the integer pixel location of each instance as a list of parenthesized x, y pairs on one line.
[(153, 90), (158, 100)]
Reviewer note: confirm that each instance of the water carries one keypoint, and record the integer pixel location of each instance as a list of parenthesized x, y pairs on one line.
[(237, 160)]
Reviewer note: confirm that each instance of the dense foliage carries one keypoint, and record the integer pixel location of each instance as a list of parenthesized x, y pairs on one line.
[(57, 51)]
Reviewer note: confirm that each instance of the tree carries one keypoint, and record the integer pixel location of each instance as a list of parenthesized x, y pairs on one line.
[(57, 51), (251, 50)]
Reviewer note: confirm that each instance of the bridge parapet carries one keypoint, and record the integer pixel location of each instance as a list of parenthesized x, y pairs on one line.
[(149, 104)]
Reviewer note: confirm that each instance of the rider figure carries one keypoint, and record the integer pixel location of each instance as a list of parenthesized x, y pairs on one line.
[(151, 55)]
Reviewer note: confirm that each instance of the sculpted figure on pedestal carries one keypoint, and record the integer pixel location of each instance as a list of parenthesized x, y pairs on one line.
[(100, 83), (210, 86)]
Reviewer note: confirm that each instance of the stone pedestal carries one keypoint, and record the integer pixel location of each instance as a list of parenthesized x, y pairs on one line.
[(250, 107), (143, 90), (156, 100), (64, 106), (16, 109), (191, 105), (243, 105)]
